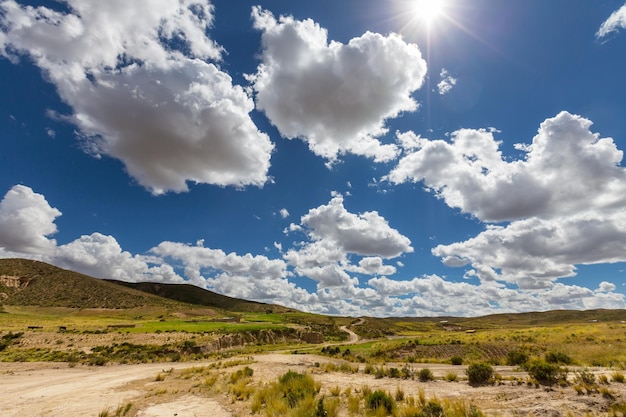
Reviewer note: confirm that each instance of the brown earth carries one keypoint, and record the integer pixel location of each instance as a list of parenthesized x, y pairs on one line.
[(47, 389)]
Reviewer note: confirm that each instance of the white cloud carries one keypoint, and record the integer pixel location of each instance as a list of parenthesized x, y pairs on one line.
[(335, 237), (446, 83), (616, 21), (334, 96), (284, 213), (101, 256), (373, 265), (606, 287), (564, 201), (567, 169), (26, 221), (533, 253), (366, 234), (167, 114), (320, 258), (245, 276)]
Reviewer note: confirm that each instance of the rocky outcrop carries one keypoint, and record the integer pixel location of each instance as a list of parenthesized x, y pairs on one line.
[(13, 281), (312, 337)]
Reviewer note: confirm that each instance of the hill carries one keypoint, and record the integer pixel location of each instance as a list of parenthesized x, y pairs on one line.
[(31, 283), (198, 296), (25, 282)]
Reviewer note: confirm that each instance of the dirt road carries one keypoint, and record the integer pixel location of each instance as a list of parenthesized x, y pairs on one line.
[(51, 390), (43, 389)]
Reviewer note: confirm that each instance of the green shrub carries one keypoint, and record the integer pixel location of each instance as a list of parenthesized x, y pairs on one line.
[(432, 409), (516, 357), (8, 339), (546, 373), (425, 375), (406, 372), (558, 358), (456, 360), (380, 400), (479, 373), (296, 387)]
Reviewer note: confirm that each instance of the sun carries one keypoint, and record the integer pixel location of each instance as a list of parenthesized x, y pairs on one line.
[(428, 10)]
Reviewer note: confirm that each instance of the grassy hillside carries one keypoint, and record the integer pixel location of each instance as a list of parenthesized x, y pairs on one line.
[(44, 285), (195, 295)]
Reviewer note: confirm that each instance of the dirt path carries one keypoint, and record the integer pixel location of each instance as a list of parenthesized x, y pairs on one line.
[(51, 390), (352, 337), (56, 390)]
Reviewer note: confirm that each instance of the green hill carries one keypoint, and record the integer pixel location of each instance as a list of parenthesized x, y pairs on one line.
[(31, 283), (198, 296)]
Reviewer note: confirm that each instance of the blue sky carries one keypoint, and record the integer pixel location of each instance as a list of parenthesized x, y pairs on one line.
[(351, 158)]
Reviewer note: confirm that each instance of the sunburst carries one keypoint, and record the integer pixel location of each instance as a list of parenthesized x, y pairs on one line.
[(428, 11)]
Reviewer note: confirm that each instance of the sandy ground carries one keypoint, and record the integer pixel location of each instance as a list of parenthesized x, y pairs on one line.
[(44, 389)]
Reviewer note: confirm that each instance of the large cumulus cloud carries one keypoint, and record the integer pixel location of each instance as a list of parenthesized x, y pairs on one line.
[(142, 89), (558, 207), (566, 169), (334, 96)]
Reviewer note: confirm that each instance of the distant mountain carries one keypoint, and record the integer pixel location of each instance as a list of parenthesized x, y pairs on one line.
[(32, 283), (195, 295)]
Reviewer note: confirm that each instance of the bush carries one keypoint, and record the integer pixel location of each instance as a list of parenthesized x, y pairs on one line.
[(8, 338), (546, 373), (380, 399), (432, 409), (479, 373), (296, 387), (558, 358), (451, 377), (456, 360), (425, 375), (516, 357)]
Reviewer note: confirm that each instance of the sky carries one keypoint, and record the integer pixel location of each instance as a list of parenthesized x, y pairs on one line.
[(357, 157)]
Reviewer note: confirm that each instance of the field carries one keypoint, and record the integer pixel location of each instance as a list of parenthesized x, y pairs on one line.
[(552, 364)]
